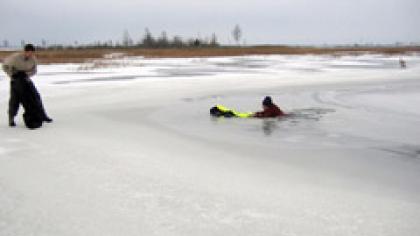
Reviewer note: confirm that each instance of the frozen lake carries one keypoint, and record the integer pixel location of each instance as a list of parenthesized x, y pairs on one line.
[(133, 150)]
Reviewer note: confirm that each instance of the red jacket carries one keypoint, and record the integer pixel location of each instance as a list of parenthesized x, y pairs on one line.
[(269, 111)]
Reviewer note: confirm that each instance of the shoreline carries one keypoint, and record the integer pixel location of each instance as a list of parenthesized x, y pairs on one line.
[(51, 56)]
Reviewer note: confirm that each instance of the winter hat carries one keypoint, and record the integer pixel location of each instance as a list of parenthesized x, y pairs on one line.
[(267, 101), (29, 47)]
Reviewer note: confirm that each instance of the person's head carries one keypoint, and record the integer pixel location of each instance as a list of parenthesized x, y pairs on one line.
[(29, 50), (267, 102)]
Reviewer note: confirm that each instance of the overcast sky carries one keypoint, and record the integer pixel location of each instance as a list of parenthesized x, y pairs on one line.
[(262, 21)]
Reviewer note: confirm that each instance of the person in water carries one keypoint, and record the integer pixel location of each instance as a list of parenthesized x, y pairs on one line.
[(270, 109)]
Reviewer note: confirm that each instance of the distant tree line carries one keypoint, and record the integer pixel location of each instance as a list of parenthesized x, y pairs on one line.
[(147, 41), (164, 41)]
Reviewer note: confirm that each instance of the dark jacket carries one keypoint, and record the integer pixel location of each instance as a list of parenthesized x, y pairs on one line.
[(26, 94), (269, 111)]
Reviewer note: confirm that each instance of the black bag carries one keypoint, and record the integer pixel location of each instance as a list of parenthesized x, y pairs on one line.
[(30, 99)]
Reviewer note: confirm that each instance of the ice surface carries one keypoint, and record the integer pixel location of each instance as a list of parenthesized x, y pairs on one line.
[(133, 151)]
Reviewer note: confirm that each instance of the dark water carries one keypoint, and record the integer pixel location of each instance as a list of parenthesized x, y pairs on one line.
[(294, 118)]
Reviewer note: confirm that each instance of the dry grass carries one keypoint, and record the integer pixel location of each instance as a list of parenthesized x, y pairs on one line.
[(83, 55)]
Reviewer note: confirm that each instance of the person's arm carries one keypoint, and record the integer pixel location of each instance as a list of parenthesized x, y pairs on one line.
[(260, 114), (32, 71), (8, 67)]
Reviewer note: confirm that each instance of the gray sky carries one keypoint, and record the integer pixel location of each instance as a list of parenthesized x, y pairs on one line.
[(262, 21)]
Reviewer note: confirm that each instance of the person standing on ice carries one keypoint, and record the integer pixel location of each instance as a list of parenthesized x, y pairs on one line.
[(403, 65), (270, 109), (15, 65)]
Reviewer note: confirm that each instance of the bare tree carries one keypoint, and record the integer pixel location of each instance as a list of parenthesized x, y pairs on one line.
[(177, 42), (237, 33), (197, 43), (44, 43), (213, 41), (148, 39), (127, 41), (163, 41), (5, 43)]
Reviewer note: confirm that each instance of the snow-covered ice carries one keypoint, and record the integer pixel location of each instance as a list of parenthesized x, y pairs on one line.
[(133, 151)]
